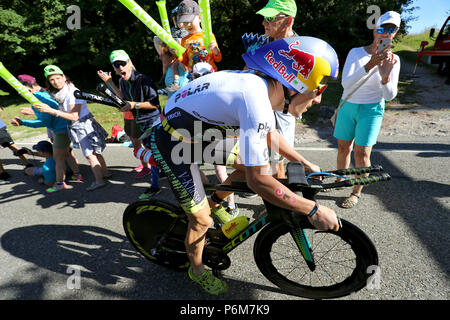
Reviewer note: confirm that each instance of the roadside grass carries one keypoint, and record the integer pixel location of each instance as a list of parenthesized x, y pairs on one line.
[(107, 116)]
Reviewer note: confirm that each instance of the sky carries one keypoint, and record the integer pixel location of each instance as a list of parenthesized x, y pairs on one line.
[(431, 13)]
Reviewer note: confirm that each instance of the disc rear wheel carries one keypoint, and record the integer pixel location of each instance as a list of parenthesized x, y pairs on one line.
[(157, 230)]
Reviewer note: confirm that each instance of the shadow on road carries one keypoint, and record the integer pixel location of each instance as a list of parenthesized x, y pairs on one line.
[(103, 256)]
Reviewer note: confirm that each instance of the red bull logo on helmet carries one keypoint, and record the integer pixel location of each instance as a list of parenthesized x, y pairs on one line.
[(303, 61), (279, 66)]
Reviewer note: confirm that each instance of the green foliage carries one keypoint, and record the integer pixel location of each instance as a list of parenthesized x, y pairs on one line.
[(34, 33)]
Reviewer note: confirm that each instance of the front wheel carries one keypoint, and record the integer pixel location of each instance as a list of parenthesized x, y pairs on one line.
[(343, 260), (157, 230)]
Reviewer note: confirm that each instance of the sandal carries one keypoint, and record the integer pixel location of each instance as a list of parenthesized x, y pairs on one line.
[(348, 203)]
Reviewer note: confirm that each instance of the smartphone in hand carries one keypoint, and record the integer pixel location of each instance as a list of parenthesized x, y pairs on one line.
[(384, 43)]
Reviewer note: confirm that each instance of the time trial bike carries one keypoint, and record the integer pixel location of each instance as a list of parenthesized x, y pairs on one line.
[(288, 250)]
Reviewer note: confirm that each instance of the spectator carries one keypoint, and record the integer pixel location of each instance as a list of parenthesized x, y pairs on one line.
[(7, 142), (188, 14), (84, 131), (174, 74), (47, 172), (359, 119), (278, 23), (57, 127), (141, 111)]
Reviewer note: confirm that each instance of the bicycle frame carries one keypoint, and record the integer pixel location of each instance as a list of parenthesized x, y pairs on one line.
[(277, 213)]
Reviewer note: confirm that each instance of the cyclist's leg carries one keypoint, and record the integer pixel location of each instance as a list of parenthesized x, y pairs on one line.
[(185, 181)]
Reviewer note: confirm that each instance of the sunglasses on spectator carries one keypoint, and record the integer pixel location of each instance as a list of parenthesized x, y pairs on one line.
[(389, 30), (272, 19), (117, 64)]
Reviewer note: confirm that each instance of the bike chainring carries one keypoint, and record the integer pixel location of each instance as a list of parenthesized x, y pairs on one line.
[(214, 258)]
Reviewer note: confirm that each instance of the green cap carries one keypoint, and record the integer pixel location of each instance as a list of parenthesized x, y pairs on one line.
[(118, 55), (52, 69), (274, 7)]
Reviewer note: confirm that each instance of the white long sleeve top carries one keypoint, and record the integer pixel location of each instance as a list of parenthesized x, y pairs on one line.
[(372, 91)]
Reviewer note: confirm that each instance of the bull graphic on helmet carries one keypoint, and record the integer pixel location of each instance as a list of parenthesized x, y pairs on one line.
[(303, 61)]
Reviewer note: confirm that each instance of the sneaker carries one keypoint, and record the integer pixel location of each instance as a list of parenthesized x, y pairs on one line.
[(208, 282), (221, 214), (57, 187), (234, 212), (173, 87), (77, 177), (95, 186), (4, 175), (139, 168), (144, 172), (149, 192)]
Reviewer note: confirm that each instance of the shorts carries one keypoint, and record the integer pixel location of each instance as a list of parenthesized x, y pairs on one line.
[(286, 127), (136, 128), (5, 138), (361, 122), (132, 129), (179, 161), (61, 140)]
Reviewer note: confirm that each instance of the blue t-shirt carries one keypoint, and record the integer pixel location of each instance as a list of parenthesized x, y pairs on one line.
[(169, 78), (49, 170), (57, 125)]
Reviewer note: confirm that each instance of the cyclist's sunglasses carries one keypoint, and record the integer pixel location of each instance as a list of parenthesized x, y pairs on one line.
[(272, 19), (389, 30), (321, 88), (117, 64)]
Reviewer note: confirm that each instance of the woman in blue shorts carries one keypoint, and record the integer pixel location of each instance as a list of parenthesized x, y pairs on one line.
[(359, 119)]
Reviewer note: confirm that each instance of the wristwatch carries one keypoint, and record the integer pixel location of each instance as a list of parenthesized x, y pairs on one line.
[(137, 106)]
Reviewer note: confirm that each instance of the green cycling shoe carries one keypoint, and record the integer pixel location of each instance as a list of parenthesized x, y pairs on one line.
[(209, 282), (221, 214)]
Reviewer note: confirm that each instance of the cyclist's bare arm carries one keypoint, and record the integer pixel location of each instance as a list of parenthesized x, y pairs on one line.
[(278, 143), (270, 189)]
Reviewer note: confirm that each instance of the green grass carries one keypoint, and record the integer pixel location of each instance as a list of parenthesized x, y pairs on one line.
[(105, 115), (407, 47)]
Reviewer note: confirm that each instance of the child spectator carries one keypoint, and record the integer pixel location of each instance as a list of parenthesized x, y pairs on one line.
[(174, 74), (188, 14), (46, 172), (57, 128), (84, 131)]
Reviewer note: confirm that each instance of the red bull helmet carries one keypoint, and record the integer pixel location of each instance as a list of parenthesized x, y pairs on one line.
[(299, 63)]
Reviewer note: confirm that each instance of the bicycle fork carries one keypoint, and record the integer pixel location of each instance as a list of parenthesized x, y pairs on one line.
[(300, 239)]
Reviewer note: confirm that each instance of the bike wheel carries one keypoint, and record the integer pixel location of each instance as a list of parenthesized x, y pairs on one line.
[(342, 260), (146, 222)]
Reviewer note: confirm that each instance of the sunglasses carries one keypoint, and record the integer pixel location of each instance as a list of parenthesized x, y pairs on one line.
[(389, 30), (117, 64), (321, 88), (272, 19)]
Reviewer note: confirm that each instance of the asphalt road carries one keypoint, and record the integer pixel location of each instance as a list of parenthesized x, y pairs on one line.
[(47, 239)]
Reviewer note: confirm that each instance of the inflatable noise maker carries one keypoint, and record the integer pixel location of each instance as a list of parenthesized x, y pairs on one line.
[(165, 36), (205, 15), (13, 82), (163, 14)]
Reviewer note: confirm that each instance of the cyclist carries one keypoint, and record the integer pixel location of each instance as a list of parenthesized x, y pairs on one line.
[(287, 74)]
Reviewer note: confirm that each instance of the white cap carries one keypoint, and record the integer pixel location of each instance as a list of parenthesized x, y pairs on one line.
[(202, 68), (390, 17)]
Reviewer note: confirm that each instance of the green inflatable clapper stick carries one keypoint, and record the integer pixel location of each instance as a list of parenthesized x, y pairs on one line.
[(13, 82), (154, 26), (205, 14), (163, 14)]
